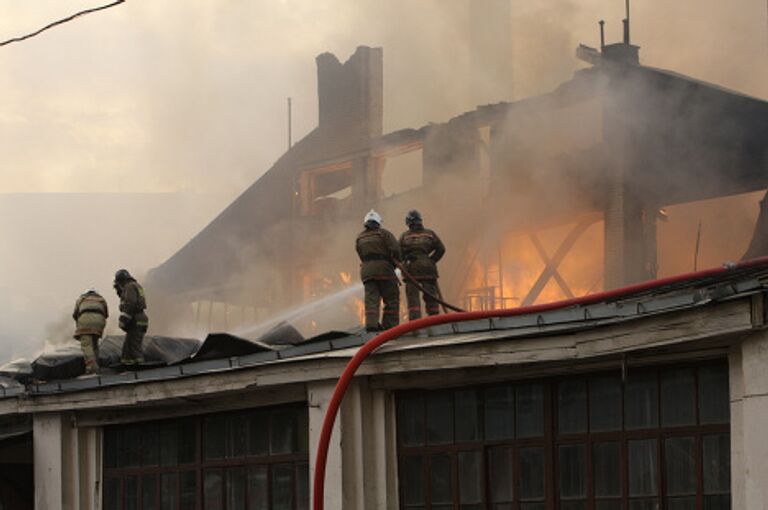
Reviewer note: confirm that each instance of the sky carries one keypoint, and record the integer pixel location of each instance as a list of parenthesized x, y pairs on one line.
[(187, 101)]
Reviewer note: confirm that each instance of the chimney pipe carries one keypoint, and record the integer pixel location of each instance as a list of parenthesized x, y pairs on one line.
[(602, 34), (626, 30), (626, 24)]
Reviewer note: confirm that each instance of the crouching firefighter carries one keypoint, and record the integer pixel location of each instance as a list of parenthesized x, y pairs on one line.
[(422, 250), (90, 316), (378, 251), (133, 320)]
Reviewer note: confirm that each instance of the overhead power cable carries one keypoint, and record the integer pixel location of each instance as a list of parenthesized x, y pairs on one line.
[(61, 21)]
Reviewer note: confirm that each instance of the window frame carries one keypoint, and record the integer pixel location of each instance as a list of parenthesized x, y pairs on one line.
[(552, 439), (200, 465)]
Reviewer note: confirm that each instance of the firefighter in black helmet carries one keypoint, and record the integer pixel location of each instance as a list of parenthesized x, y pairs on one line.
[(422, 249), (378, 249), (133, 319)]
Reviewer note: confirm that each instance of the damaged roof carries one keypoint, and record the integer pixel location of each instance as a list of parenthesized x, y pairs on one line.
[(659, 300)]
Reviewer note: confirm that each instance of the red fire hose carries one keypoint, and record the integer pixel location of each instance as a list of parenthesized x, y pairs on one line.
[(434, 320)]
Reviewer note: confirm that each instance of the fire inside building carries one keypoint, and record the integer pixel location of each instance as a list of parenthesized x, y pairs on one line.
[(651, 398)]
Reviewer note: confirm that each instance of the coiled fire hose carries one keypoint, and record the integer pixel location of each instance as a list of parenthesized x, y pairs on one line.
[(321, 459)]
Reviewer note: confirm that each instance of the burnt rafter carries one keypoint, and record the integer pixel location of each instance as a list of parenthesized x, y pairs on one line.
[(551, 264)]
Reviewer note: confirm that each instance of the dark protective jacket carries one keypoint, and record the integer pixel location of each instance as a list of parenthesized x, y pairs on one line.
[(377, 247), (422, 250), (132, 306), (90, 314)]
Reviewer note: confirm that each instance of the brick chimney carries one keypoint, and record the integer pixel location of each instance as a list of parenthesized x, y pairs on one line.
[(350, 95)]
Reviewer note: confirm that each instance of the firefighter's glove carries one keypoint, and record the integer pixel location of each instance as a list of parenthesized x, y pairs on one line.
[(125, 321), (398, 273)]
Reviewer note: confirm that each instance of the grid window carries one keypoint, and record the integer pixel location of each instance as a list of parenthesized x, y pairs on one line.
[(657, 439), (252, 460)]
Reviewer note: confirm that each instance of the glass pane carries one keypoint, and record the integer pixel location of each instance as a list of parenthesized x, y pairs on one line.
[(573, 471), (258, 430), (642, 467), (605, 404), (440, 418), (500, 475), (237, 435), (130, 447), (717, 502), (530, 410), (608, 505), (681, 503), (149, 492), (413, 480), (644, 504), (531, 506), (188, 490), (169, 444), (187, 430), (112, 494), (606, 459), (714, 399), (441, 480), (410, 420), (283, 431), (302, 486), (470, 477), (213, 493), (681, 466), (150, 447), (717, 464), (302, 417), (236, 489), (168, 491), (573, 505), (678, 397), (572, 406), (131, 497), (258, 488), (499, 413), (282, 487), (531, 469), (215, 436), (641, 409), (110, 448), (467, 417)]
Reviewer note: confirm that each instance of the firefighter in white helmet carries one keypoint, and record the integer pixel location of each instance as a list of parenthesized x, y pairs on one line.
[(378, 250)]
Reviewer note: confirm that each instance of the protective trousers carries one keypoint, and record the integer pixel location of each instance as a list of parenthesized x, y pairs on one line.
[(132, 351), (90, 346), (413, 295), (375, 292)]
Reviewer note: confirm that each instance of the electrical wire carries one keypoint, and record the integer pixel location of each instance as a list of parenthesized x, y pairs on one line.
[(60, 22)]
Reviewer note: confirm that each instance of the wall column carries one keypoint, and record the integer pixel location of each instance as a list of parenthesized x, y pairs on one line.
[(749, 416), (318, 396)]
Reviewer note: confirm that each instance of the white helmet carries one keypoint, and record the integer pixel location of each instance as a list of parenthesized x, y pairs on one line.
[(372, 216)]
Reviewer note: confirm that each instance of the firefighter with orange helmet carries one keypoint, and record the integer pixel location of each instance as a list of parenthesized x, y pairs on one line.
[(422, 249), (378, 250)]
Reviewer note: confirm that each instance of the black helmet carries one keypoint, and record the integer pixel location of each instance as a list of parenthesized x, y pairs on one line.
[(413, 216), (122, 275)]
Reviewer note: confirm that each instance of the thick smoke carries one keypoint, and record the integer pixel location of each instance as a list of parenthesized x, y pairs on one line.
[(189, 99)]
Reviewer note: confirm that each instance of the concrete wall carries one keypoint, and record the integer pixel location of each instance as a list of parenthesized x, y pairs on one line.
[(749, 420), (67, 464)]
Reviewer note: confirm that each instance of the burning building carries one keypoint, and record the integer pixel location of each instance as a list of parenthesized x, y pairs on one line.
[(647, 398), (548, 197)]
